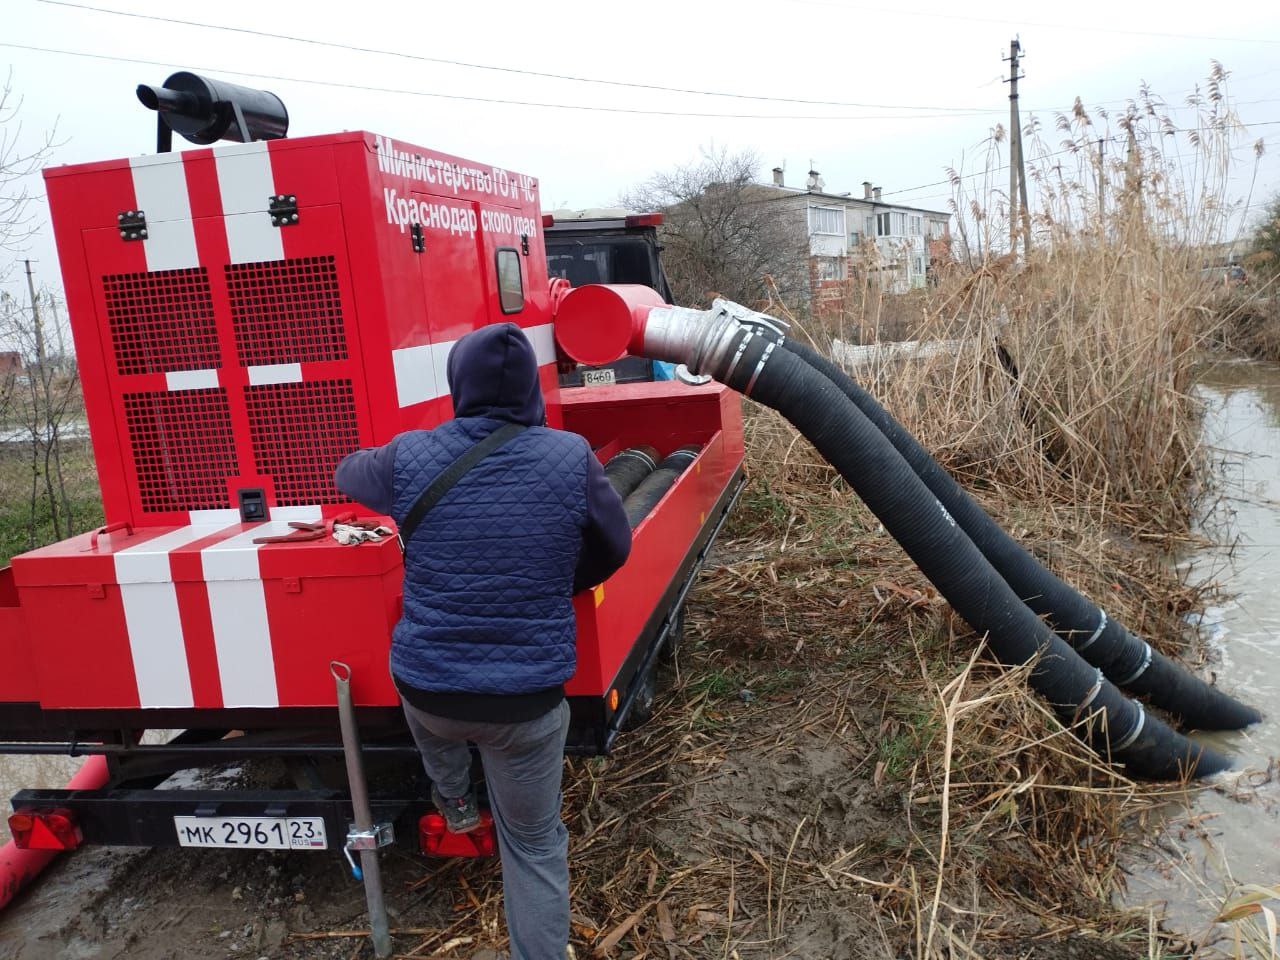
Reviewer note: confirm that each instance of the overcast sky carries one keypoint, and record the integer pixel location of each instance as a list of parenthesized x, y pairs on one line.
[(919, 84)]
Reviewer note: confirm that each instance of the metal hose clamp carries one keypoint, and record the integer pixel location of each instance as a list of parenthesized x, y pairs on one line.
[(755, 374), (1102, 625), (1142, 668), (1092, 695), (737, 357), (639, 455), (1133, 734)]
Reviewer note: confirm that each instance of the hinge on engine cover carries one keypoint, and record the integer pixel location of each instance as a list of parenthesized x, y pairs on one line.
[(417, 237), (524, 244), (283, 208), (132, 225)]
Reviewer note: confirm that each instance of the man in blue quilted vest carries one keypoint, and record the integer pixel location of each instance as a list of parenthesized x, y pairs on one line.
[(486, 638)]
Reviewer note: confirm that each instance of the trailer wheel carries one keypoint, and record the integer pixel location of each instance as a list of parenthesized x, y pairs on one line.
[(641, 711), (675, 637)]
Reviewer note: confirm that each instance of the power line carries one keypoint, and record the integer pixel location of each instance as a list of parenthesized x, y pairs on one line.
[(1091, 27), (501, 69), (496, 100)]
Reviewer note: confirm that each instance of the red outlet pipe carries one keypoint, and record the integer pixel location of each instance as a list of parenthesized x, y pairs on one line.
[(20, 867)]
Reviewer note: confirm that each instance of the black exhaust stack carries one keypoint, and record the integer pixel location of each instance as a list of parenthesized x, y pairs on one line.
[(205, 111)]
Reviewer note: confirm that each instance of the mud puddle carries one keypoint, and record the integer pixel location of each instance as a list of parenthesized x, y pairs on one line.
[(1229, 835)]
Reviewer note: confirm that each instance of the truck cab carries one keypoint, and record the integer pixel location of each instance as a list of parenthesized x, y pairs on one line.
[(607, 245)]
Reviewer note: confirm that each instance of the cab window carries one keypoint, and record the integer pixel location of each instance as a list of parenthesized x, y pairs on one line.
[(510, 283)]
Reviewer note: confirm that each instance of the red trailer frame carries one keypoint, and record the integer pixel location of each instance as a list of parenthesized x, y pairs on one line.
[(244, 316)]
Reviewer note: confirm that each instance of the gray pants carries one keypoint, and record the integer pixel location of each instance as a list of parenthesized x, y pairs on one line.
[(522, 766)]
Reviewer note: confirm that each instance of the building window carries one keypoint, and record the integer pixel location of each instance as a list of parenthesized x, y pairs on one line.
[(869, 226), (827, 220), (829, 268), (855, 238), (916, 224), (510, 284), (919, 264), (882, 224), (937, 229)]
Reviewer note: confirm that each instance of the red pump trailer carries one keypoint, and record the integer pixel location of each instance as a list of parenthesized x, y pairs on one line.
[(245, 315)]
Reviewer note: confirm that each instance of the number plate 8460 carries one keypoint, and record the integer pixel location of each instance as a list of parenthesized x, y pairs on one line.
[(252, 833)]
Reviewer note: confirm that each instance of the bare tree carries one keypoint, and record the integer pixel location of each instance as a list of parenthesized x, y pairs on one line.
[(17, 164), (46, 409), (40, 397), (724, 234)]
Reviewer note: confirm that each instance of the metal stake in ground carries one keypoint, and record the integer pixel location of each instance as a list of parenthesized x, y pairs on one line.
[(363, 836)]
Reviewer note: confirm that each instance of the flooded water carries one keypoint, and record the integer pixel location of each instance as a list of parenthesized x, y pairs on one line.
[(1230, 834)]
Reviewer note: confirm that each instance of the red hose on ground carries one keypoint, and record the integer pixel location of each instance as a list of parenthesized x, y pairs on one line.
[(20, 867)]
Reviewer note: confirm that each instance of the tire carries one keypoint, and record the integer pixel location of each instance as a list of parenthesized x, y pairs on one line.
[(675, 638), (642, 706)]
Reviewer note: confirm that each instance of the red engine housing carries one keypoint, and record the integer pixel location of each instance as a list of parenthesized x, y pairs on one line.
[(244, 316)]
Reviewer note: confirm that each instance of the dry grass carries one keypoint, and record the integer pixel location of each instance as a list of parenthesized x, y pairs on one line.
[(839, 771)]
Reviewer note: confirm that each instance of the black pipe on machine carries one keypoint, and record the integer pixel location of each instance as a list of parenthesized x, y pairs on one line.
[(1125, 659), (717, 342), (627, 468), (652, 489)]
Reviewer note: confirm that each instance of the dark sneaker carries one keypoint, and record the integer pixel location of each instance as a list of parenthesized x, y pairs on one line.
[(461, 815)]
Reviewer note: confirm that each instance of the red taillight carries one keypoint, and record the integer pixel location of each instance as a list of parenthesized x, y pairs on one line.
[(548, 220), (44, 830), (644, 220), (436, 840)]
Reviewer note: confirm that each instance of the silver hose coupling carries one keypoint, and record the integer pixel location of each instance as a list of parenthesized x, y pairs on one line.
[(700, 339)]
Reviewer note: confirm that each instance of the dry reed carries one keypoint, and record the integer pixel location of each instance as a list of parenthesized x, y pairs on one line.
[(838, 770)]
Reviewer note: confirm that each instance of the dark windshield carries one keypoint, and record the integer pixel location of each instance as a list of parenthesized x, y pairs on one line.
[(623, 260)]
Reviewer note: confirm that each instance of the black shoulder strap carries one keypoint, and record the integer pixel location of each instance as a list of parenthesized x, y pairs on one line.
[(450, 475)]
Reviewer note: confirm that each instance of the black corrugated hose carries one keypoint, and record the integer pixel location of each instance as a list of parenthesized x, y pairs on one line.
[(628, 467), (1121, 730), (1125, 659), (656, 484)]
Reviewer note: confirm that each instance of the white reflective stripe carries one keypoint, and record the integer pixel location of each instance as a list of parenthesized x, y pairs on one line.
[(308, 513), (155, 641), (275, 373), (191, 379), (422, 371), (246, 666), (160, 190), (151, 615), (246, 184), (543, 338), (149, 562), (415, 374), (220, 517), (224, 517), (238, 609)]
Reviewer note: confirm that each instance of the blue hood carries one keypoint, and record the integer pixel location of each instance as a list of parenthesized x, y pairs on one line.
[(493, 373)]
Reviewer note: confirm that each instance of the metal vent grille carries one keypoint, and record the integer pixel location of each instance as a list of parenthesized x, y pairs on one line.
[(300, 431), (162, 321), (287, 311), (183, 448)]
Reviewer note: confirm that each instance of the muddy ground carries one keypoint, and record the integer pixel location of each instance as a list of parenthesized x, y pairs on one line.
[(757, 817)]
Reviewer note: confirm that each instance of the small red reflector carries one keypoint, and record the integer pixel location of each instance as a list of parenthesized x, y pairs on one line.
[(20, 823), (437, 840), (644, 220), (548, 220), (45, 830)]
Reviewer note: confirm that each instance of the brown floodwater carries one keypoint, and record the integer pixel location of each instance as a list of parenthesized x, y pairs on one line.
[(1229, 835)]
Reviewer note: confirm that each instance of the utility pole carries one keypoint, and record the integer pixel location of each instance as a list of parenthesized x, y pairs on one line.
[(1102, 182), (1018, 207), (35, 317)]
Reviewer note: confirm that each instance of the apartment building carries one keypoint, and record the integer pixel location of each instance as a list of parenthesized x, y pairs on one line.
[(893, 245)]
